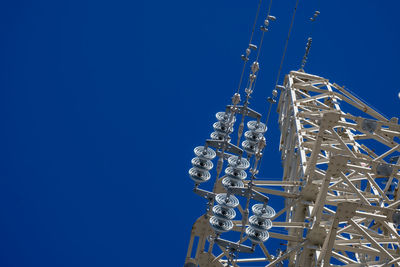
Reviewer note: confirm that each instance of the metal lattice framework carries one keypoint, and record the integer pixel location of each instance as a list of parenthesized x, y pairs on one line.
[(339, 184)]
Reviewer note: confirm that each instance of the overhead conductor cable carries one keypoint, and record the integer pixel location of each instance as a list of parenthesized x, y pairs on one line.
[(245, 57), (255, 67)]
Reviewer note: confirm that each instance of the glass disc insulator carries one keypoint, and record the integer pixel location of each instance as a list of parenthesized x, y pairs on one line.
[(228, 182), (223, 213), (257, 127), (228, 202), (260, 223), (256, 236), (249, 147), (199, 175), (204, 153), (202, 163), (223, 116), (241, 164), (219, 225), (235, 173), (219, 136), (252, 136), (222, 127), (266, 212)]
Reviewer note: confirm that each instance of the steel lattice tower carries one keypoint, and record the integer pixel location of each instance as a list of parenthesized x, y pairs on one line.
[(339, 184)]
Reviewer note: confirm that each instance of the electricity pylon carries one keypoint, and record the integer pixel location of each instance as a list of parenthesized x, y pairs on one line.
[(339, 186)]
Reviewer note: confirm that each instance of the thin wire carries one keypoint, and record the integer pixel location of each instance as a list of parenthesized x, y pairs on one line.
[(283, 58), (241, 77), (286, 44), (259, 49), (262, 36), (366, 103), (261, 43), (269, 112), (251, 39), (258, 55), (255, 21), (279, 72)]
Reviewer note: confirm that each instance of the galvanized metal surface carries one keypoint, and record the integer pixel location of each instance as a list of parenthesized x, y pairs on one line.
[(339, 183)]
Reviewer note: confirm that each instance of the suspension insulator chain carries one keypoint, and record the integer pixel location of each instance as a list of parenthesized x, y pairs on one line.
[(305, 57)]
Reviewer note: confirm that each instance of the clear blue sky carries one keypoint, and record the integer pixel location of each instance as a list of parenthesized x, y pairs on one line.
[(102, 103)]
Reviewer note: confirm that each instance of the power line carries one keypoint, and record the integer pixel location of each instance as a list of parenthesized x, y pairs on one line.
[(245, 57), (286, 44)]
